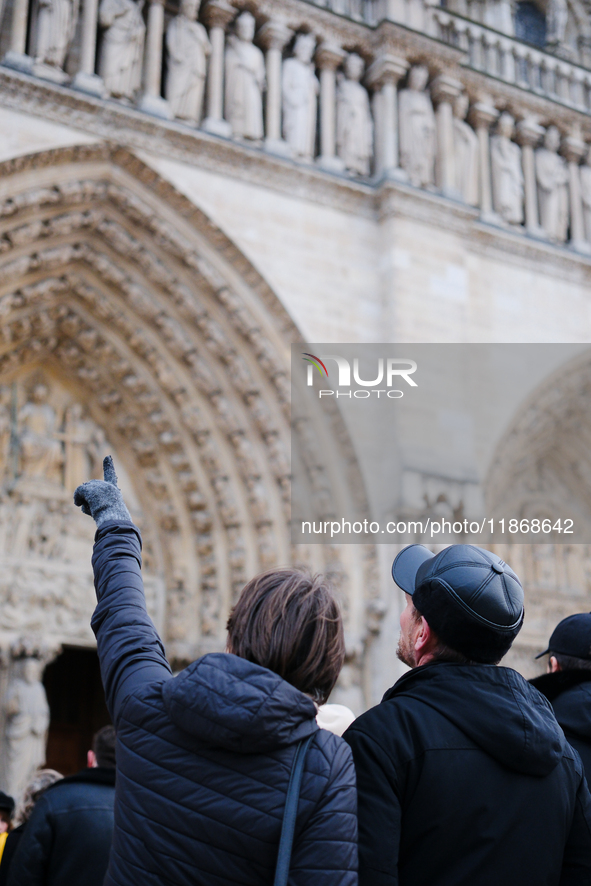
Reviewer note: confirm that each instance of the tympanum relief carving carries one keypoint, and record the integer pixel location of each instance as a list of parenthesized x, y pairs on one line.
[(48, 445)]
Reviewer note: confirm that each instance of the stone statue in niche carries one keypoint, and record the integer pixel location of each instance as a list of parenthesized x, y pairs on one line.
[(85, 447), (354, 120), (122, 48), (585, 178), (552, 179), (466, 152), (506, 172), (188, 48), (498, 14), (54, 31), (417, 129), (40, 449), (556, 21), (27, 720), (300, 94), (245, 80)]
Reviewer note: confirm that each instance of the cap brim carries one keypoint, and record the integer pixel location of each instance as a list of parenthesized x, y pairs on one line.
[(545, 652), (406, 565)]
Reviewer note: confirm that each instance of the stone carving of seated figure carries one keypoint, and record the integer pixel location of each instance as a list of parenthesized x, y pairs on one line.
[(41, 452)]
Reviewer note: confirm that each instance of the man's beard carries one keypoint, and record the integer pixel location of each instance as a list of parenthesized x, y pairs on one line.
[(405, 652)]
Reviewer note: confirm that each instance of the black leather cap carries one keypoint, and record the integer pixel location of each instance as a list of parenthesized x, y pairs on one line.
[(469, 596), (571, 636)]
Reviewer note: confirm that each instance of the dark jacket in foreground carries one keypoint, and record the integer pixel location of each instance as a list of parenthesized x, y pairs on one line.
[(204, 759), (569, 693), (10, 848), (68, 837), (464, 778)]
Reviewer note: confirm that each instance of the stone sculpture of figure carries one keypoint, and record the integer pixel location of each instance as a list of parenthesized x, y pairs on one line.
[(552, 179), (27, 719), (585, 179), (300, 96), (506, 172), (556, 20), (417, 129), (354, 120), (122, 47), (56, 23), (466, 152), (188, 48), (498, 14), (41, 452), (245, 80)]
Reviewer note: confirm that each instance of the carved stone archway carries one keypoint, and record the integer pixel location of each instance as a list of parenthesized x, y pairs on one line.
[(542, 469), (137, 313)]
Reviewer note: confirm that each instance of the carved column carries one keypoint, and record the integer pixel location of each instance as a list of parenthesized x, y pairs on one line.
[(573, 148), (273, 36), (528, 136), (383, 76), (444, 90), (85, 79), (328, 58), (482, 116), (151, 101), (16, 56), (218, 14)]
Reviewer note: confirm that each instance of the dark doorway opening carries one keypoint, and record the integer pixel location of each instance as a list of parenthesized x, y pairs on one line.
[(77, 708)]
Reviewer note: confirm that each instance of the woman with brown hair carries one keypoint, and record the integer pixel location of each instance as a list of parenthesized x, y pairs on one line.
[(204, 759)]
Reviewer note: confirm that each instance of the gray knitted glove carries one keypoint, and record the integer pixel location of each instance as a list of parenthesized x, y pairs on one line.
[(102, 499)]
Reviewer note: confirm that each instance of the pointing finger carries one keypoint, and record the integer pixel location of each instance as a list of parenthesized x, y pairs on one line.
[(109, 470)]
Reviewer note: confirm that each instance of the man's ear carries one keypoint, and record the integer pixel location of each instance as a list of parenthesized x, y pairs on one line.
[(553, 665), (91, 761), (425, 639)]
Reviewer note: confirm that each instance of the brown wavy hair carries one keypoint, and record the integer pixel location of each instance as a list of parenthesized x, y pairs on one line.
[(289, 621)]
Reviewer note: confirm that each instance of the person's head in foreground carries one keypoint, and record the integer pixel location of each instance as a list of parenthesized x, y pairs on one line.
[(569, 648), (41, 780), (289, 621), (567, 683), (463, 604), (102, 754)]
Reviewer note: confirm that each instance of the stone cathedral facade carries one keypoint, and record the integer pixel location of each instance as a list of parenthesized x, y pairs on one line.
[(186, 190)]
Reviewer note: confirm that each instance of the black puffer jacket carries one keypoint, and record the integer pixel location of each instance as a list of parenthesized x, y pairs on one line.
[(68, 837), (203, 759), (569, 693), (465, 779)]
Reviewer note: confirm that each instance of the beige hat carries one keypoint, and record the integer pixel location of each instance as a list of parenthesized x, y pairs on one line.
[(334, 717)]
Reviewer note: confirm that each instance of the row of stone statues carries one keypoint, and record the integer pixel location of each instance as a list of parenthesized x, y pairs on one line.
[(188, 48), (418, 150)]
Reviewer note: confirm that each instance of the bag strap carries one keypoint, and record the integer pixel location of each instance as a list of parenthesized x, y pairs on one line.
[(290, 813)]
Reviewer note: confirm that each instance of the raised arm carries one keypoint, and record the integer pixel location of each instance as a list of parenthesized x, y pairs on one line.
[(129, 648)]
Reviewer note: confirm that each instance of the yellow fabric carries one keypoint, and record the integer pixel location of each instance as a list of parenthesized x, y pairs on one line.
[(2, 842)]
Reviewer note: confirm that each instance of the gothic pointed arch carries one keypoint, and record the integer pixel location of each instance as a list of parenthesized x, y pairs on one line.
[(131, 323)]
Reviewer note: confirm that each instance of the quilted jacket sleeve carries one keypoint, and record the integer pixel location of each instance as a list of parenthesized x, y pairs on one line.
[(129, 648), (325, 853), (378, 809)]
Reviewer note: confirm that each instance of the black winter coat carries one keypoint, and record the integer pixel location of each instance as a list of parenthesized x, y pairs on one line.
[(68, 837), (464, 778), (569, 693), (10, 848), (204, 759)]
